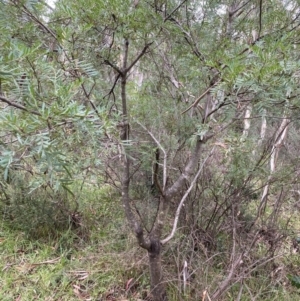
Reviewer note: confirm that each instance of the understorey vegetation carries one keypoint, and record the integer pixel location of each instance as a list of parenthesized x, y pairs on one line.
[(149, 150)]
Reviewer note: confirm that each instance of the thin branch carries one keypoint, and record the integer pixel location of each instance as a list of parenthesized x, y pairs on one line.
[(191, 41), (125, 56), (45, 28), (239, 8), (18, 106), (240, 292), (260, 18), (174, 10), (126, 161), (222, 104), (227, 281), (34, 18), (113, 87), (201, 96), (114, 67), (171, 235), (138, 57), (165, 155), (279, 137), (87, 95)]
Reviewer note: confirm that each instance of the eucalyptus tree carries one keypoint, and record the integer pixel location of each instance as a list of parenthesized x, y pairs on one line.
[(148, 92)]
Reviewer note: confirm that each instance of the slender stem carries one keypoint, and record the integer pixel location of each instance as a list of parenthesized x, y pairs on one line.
[(164, 152), (171, 235)]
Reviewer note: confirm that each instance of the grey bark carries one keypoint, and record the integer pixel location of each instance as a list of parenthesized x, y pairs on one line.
[(152, 243)]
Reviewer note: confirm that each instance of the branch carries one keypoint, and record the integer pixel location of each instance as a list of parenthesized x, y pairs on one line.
[(34, 18), (190, 166), (126, 161), (260, 17), (256, 265), (174, 10), (114, 67), (226, 282), (191, 41), (187, 172), (165, 155), (44, 28), (18, 106), (112, 88), (171, 235), (239, 8), (125, 69), (87, 95), (125, 57), (138, 57), (201, 96), (222, 104)]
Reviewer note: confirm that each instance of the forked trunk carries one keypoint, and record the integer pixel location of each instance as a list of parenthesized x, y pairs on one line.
[(158, 289)]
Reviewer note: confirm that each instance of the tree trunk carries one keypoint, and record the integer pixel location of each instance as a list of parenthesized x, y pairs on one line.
[(158, 289)]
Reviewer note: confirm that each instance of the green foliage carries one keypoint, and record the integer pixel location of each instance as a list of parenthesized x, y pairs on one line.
[(90, 257), (61, 117), (295, 280), (41, 213)]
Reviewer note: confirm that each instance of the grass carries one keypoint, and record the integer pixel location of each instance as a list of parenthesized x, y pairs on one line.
[(92, 262), (99, 260)]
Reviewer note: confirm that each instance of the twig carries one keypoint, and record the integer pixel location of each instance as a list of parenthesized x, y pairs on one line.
[(112, 88), (51, 261), (184, 198)]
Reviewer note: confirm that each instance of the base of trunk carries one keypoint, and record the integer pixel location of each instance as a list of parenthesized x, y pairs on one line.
[(158, 288)]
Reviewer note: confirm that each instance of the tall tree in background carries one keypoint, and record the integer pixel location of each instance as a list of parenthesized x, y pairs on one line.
[(150, 95)]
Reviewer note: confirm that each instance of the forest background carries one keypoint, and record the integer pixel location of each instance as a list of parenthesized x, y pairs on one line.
[(149, 150)]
